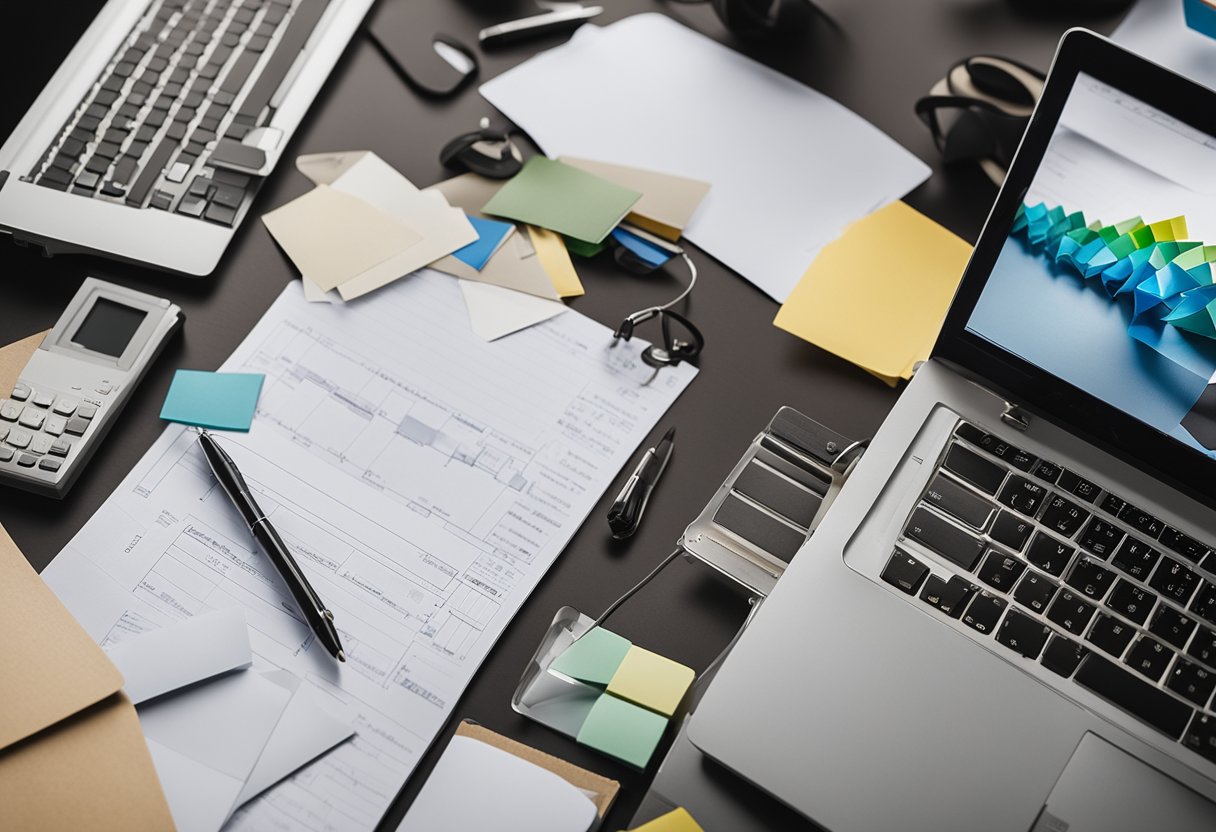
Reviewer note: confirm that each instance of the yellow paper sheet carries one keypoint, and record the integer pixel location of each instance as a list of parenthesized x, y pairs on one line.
[(655, 682), (677, 820), (555, 260), (877, 296)]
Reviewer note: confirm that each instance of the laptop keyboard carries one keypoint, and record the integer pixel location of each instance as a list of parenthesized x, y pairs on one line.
[(162, 126), (1061, 571)]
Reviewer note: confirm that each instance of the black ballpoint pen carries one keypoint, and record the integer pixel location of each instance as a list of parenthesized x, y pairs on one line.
[(319, 618), (627, 509)]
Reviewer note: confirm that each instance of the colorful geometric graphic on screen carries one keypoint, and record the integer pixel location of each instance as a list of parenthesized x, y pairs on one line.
[(1168, 278)]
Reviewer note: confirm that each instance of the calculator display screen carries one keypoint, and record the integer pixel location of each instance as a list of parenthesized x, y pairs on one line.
[(108, 327)]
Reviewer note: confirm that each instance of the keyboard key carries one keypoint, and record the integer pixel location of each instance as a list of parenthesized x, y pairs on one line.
[(48, 463), (1070, 611), (86, 410), (27, 460), (1077, 486), (1100, 538), (21, 392), (959, 502), (1063, 515), (76, 426), (984, 611), (950, 597), (1136, 558), (1134, 695), (941, 536), (1204, 604), (1131, 602), (1035, 591), (1174, 581), (1063, 655), (1049, 554), (60, 447), (152, 171), (65, 406), (220, 214), (984, 474), (1023, 634), (1010, 530), (1022, 495), (7, 454), (1110, 634), (1192, 681), (19, 438), (904, 572), (1203, 647), (1172, 626), (1209, 562), (1112, 505), (11, 411), (1000, 571), (1201, 736), (1149, 657), (1187, 546), (1048, 471), (1090, 579), (1141, 521), (32, 418), (41, 443)]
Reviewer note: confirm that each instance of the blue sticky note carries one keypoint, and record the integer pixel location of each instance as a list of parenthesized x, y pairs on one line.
[(1200, 16), (490, 234), (223, 401), (647, 251)]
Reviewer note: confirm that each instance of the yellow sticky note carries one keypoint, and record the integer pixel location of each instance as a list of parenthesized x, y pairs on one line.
[(555, 260), (677, 820), (651, 680), (877, 296)]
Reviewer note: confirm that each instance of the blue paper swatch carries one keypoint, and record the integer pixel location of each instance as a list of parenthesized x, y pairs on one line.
[(222, 401), (490, 234), (647, 251)]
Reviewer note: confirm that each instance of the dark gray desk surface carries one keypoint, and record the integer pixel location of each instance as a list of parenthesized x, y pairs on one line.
[(883, 55)]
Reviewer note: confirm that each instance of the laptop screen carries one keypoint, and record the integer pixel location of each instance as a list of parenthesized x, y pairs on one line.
[(1106, 278)]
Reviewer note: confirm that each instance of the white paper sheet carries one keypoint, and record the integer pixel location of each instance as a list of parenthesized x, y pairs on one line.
[(425, 480), (168, 658), (495, 311), (511, 795), (790, 168), (1157, 30)]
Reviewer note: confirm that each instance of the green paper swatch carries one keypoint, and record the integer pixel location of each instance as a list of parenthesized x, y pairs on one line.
[(594, 658), (622, 731)]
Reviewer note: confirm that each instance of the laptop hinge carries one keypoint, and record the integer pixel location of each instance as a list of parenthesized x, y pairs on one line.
[(1015, 417)]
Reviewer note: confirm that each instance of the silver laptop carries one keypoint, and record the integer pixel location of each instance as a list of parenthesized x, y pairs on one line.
[(1007, 621), (151, 139)]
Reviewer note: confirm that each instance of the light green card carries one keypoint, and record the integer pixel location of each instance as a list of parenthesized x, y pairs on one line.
[(594, 658), (623, 731)]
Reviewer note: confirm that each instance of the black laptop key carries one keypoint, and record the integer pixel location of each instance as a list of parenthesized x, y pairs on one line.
[(996, 446), (55, 176), (1063, 515), (1130, 601), (231, 153), (958, 501), (1010, 530), (124, 170), (943, 537), (1022, 495), (1141, 699), (1192, 681), (755, 481), (98, 164), (1209, 562), (904, 572), (1023, 634), (1203, 647), (984, 474), (1100, 538), (151, 172), (1035, 591), (1204, 604), (1070, 611), (1049, 554), (1174, 581), (1201, 736), (1110, 634), (1078, 486), (1172, 626), (1000, 571), (972, 434), (753, 525), (1183, 544), (949, 597), (1047, 471), (239, 73), (984, 611), (1149, 658), (1112, 505), (1141, 521), (1090, 579), (1063, 655), (1135, 558)]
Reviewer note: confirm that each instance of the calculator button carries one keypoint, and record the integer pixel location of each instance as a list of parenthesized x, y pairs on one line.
[(32, 418), (10, 411), (19, 438), (6, 454), (41, 444), (3, 432), (49, 464), (65, 406), (86, 411), (27, 460), (44, 399), (55, 425), (76, 426), (21, 392), (60, 447), (104, 389)]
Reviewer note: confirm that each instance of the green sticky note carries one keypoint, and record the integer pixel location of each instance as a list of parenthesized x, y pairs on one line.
[(594, 658), (622, 731), (564, 199), (222, 401), (581, 249)]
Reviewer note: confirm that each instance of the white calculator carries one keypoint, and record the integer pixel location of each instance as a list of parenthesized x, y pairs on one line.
[(77, 382)]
